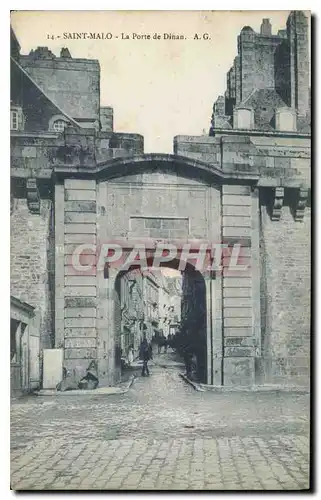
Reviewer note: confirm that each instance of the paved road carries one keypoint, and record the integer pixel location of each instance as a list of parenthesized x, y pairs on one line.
[(162, 434)]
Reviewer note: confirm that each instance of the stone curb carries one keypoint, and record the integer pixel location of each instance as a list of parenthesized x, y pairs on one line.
[(196, 386), (254, 388), (100, 391), (169, 365)]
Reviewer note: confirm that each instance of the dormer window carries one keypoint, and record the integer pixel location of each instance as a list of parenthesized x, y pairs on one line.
[(58, 123)]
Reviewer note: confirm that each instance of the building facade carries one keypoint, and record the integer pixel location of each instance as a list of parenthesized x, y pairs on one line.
[(24, 347), (249, 183), (170, 303), (268, 85)]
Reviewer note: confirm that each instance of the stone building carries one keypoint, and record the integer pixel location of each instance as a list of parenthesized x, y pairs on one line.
[(248, 183), (24, 347), (170, 304), (268, 83), (132, 311), (151, 286), (138, 294)]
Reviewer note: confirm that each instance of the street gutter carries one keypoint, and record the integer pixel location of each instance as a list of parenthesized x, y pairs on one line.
[(254, 388)]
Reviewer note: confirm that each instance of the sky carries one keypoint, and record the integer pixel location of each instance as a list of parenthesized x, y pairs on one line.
[(158, 88)]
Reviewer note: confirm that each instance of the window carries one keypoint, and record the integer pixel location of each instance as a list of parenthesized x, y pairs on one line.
[(59, 125), (14, 120)]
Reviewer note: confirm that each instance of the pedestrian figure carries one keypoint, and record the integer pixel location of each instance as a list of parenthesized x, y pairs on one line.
[(162, 342), (165, 345), (130, 358), (188, 357), (145, 354)]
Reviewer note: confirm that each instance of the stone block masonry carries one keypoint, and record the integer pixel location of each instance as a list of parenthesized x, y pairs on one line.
[(75, 321), (237, 289), (71, 83), (32, 262), (285, 297), (80, 314)]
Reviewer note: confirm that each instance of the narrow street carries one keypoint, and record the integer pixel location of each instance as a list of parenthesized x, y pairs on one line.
[(161, 434)]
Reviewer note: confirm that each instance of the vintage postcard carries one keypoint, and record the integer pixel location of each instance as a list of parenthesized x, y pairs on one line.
[(160, 250)]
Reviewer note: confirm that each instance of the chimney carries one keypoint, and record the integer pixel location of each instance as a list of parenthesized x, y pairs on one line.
[(266, 27), (65, 53), (106, 119)]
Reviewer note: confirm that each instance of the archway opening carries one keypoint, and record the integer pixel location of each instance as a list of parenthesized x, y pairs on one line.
[(167, 305)]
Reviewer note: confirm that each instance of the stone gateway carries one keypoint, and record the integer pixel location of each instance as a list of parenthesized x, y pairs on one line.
[(75, 181)]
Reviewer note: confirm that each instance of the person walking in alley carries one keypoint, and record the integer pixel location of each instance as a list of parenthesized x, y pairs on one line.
[(130, 357), (145, 354)]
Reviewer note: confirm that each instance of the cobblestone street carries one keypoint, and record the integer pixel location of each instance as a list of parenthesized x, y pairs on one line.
[(161, 434)]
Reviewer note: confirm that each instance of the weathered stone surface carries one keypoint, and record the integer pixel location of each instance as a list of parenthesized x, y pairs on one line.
[(238, 302), (80, 206), (238, 341), (77, 217), (236, 189), (80, 238), (80, 353), (239, 270), (237, 322), (80, 228), (237, 312), (32, 262), (234, 221), (237, 292), (80, 332), (82, 342), (235, 200), (237, 261), (80, 195), (238, 351), (80, 302), (238, 371), (238, 332), (231, 210), (80, 184), (80, 312), (80, 280), (86, 268), (285, 289), (69, 249), (80, 322), (80, 291), (237, 231), (237, 282)]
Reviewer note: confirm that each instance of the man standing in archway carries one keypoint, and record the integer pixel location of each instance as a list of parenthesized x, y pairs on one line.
[(145, 354)]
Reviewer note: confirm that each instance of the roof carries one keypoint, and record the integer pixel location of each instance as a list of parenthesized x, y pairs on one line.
[(264, 102), (26, 75), (247, 29)]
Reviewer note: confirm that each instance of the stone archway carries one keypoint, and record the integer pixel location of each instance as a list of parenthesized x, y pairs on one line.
[(152, 199), (193, 325)]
